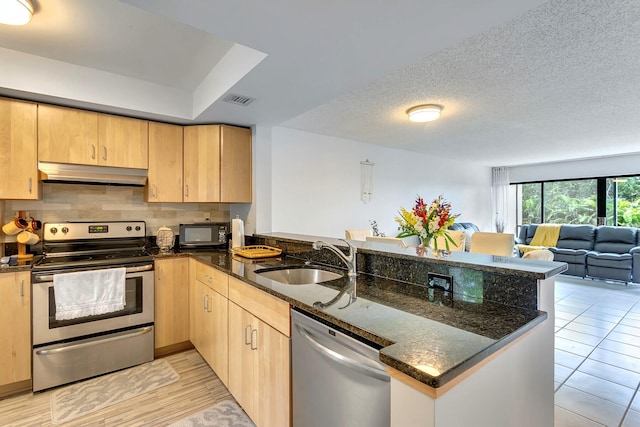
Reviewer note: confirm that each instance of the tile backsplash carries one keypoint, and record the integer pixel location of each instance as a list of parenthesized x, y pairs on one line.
[(75, 202)]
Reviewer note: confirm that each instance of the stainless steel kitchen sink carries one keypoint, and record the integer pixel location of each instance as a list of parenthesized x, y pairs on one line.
[(299, 275)]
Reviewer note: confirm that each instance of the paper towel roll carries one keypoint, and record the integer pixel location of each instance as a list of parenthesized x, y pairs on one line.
[(237, 233)]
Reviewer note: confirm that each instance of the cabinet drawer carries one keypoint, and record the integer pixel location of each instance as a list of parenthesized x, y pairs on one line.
[(270, 309), (215, 279)]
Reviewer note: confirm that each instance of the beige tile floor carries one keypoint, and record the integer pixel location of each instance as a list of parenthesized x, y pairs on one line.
[(597, 353)]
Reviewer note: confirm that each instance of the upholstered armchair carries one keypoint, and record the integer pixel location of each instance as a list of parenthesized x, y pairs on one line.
[(611, 257), (574, 242), (358, 234), (500, 244), (458, 236)]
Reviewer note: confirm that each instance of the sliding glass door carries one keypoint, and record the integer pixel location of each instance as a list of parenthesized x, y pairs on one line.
[(580, 201)]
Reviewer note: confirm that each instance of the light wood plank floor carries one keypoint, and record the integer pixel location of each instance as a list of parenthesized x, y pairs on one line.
[(198, 388)]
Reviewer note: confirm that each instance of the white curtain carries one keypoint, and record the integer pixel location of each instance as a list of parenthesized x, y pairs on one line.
[(499, 197)]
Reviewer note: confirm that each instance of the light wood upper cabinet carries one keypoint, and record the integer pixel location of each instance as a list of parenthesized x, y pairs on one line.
[(165, 163), (18, 150), (67, 135), (217, 164), (123, 142), (202, 164), (15, 327), (171, 301), (235, 165)]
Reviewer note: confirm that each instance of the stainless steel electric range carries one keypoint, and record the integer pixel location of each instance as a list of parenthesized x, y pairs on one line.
[(70, 350)]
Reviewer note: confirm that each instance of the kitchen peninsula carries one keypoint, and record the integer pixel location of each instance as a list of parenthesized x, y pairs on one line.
[(479, 353)]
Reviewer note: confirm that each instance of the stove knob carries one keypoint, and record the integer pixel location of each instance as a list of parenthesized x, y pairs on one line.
[(65, 230), (137, 228), (53, 230), (128, 228)]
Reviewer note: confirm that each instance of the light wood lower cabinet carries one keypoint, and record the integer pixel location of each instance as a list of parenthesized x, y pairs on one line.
[(259, 362), (15, 329), (209, 330), (171, 304)]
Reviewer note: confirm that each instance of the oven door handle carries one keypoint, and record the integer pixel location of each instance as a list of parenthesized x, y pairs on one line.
[(130, 270), (98, 340)]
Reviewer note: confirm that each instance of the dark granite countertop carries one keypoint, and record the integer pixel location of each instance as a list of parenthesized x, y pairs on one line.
[(19, 265), (426, 333), (491, 263)]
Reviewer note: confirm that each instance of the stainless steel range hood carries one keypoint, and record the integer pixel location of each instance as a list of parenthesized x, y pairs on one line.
[(85, 174)]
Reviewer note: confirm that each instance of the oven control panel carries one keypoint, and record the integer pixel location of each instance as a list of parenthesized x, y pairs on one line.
[(64, 231)]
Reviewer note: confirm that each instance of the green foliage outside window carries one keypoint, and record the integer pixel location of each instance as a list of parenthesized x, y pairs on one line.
[(575, 202)]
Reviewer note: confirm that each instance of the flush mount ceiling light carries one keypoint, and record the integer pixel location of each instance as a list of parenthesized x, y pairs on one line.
[(424, 113), (15, 12)]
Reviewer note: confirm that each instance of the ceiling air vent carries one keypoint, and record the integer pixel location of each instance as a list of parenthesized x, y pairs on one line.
[(238, 99)]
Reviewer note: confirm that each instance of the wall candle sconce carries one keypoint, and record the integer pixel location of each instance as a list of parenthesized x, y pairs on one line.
[(366, 181)]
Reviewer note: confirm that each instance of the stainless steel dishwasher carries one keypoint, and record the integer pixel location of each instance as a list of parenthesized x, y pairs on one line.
[(336, 380)]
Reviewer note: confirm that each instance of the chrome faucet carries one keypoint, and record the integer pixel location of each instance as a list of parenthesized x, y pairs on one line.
[(349, 260)]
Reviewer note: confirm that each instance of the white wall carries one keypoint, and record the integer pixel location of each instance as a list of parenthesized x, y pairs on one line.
[(315, 184), (589, 168)]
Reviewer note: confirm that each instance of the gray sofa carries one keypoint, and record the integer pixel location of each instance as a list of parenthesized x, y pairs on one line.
[(598, 252)]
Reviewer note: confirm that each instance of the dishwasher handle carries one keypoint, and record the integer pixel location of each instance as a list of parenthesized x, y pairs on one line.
[(342, 359)]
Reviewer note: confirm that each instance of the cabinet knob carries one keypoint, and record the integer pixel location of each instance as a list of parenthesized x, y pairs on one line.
[(104, 153), (186, 190), (22, 288), (30, 184), (154, 191), (93, 151)]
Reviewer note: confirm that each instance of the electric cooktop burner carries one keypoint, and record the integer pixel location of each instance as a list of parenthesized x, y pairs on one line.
[(75, 245)]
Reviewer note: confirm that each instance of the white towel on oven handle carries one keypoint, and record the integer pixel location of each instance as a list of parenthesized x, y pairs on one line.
[(89, 293)]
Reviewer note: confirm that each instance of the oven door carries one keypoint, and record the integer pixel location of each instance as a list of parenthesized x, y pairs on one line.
[(138, 310)]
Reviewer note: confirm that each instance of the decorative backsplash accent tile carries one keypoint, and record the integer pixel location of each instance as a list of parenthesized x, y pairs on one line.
[(75, 202)]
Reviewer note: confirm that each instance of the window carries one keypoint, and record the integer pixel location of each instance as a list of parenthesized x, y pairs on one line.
[(570, 202), (623, 201), (581, 201), (531, 203)]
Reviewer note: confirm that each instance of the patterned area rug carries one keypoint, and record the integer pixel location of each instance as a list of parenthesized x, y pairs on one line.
[(92, 395), (224, 414)]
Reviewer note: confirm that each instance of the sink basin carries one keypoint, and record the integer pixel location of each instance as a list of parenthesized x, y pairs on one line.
[(299, 275)]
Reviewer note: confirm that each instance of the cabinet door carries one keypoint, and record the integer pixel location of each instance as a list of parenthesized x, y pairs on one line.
[(123, 142), (171, 301), (15, 327), (243, 362), (235, 165), (197, 311), (18, 150), (273, 383), (165, 163), (67, 135), (201, 164), (218, 320)]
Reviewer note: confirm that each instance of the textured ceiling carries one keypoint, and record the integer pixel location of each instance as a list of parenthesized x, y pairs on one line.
[(521, 82), (560, 82)]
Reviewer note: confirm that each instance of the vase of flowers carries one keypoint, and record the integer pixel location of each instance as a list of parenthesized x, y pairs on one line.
[(427, 221)]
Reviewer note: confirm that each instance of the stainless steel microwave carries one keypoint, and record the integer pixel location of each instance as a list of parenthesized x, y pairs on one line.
[(204, 235)]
